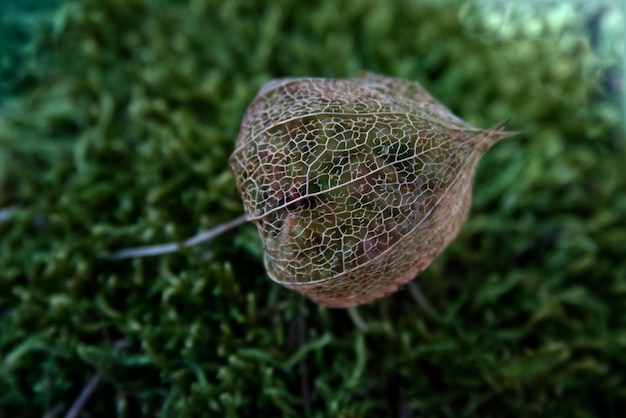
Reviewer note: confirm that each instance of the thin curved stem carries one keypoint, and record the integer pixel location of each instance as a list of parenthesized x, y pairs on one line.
[(423, 302), (84, 396), (90, 388), (173, 246), (353, 312)]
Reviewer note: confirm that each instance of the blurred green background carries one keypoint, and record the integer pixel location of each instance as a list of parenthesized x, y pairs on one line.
[(117, 119)]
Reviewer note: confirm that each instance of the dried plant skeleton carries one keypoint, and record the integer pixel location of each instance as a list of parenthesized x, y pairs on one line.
[(355, 185)]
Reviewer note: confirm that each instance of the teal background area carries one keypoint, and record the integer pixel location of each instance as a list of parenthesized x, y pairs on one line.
[(20, 22)]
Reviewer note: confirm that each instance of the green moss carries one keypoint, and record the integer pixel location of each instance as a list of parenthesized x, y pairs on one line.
[(123, 140)]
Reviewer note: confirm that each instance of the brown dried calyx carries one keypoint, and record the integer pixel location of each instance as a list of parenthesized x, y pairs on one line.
[(355, 185)]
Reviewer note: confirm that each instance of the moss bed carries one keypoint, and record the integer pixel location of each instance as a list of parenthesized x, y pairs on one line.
[(118, 134)]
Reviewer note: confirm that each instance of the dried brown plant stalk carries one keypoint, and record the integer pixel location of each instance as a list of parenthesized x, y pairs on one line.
[(355, 185)]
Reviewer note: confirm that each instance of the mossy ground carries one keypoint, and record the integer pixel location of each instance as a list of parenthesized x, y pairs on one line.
[(122, 139)]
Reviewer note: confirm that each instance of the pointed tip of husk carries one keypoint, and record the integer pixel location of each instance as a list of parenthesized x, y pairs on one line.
[(495, 134)]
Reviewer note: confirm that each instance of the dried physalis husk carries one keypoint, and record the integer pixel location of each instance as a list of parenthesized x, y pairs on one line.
[(354, 185)]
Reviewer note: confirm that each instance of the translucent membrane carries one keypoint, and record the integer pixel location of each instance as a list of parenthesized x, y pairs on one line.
[(355, 185)]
